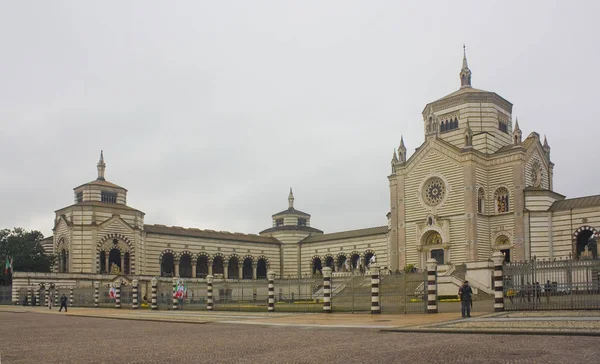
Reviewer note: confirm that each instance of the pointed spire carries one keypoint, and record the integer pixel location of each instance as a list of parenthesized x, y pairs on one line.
[(465, 72), (517, 124), (101, 167), (291, 199), (517, 134), (395, 157), (402, 142), (546, 142)]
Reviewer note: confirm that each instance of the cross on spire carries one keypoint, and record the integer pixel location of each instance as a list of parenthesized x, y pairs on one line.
[(465, 72), (101, 167)]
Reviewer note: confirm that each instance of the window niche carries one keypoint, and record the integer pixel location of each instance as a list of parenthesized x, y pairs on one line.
[(110, 197), (501, 200), (301, 221), (481, 201), (278, 222)]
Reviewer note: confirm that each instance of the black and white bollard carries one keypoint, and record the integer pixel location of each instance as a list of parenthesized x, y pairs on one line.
[(432, 286), (175, 279), (134, 294), (154, 305), (271, 278), (29, 297), (498, 259), (56, 296), (70, 296), (37, 295), (209, 292), (15, 294), (117, 294), (375, 308), (47, 295), (96, 294), (327, 290)]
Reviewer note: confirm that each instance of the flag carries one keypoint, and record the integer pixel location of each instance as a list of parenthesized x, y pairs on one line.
[(8, 265), (112, 293)]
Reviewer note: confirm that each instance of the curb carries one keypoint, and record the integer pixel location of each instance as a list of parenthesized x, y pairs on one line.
[(494, 332)]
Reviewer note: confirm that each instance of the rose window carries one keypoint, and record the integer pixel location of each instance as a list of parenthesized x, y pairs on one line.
[(434, 191)]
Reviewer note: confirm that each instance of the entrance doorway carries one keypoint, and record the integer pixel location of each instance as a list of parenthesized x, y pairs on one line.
[(438, 255), (506, 253), (583, 241)]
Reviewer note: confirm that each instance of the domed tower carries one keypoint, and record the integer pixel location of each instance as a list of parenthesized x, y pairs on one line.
[(99, 233), (290, 227)]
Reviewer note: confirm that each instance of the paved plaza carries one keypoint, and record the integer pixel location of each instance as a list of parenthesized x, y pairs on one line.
[(32, 337)]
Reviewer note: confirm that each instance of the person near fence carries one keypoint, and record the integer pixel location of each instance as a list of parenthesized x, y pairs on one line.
[(547, 290), (465, 293), (63, 303)]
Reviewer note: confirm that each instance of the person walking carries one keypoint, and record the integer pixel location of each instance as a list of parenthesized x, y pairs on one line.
[(63, 303), (465, 293)]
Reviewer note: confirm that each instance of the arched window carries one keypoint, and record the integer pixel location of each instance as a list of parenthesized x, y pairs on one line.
[(202, 266), (247, 269), (501, 200), (316, 266), (185, 266), (455, 123), (261, 268), (167, 265), (232, 268), (481, 201)]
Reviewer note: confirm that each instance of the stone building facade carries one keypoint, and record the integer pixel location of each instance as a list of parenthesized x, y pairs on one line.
[(473, 187)]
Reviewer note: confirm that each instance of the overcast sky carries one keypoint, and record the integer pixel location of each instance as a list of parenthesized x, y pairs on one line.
[(209, 111)]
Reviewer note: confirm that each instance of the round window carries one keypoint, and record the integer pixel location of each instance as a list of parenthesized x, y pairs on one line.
[(434, 191)]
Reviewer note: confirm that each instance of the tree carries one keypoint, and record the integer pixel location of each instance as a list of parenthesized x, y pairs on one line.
[(26, 251)]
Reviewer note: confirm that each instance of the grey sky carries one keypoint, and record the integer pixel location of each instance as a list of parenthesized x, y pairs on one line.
[(209, 111)]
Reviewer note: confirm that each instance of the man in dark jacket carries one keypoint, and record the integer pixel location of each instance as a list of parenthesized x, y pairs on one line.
[(63, 303), (465, 293)]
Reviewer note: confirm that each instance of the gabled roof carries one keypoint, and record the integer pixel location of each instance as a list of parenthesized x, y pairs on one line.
[(378, 230), (101, 183), (209, 234), (576, 203), (291, 211)]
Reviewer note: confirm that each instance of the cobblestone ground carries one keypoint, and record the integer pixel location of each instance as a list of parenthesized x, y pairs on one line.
[(39, 338)]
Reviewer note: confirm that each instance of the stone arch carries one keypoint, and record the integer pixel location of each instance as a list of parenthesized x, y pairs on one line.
[(329, 261), (106, 244), (502, 201), (367, 256), (433, 245), (185, 259), (480, 200), (218, 264), (316, 265), (61, 250), (502, 242), (247, 267), (355, 259), (340, 260), (233, 262), (166, 261), (262, 265), (580, 240), (202, 262)]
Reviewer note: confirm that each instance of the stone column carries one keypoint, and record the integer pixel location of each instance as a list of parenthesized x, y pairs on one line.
[(96, 294), (174, 293), (176, 263), (225, 270), (254, 274), (70, 296), (118, 294), (37, 295), (29, 296), (134, 294), (327, 290), (241, 270), (375, 308), (106, 267), (210, 264), (498, 259), (271, 278), (122, 262), (194, 267), (154, 285), (209, 292), (432, 286)]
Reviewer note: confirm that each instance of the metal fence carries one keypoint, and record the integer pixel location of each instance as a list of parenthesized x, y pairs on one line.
[(5, 295), (403, 293), (552, 285), (351, 293)]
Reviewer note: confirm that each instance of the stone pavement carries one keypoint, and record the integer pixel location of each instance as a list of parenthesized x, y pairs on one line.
[(53, 338)]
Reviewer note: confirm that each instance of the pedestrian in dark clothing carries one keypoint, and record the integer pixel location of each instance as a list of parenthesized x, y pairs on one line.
[(63, 303), (465, 293)]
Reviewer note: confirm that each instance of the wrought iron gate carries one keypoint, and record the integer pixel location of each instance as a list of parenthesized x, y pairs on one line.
[(403, 293), (552, 285)]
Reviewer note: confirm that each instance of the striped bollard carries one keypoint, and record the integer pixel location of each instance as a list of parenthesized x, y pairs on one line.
[(29, 297), (432, 286), (498, 259), (47, 295), (15, 294), (96, 294), (56, 296), (175, 280), (154, 306), (134, 294), (70, 296), (117, 294), (375, 308), (327, 290), (271, 278), (37, 295), (209, 292)]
